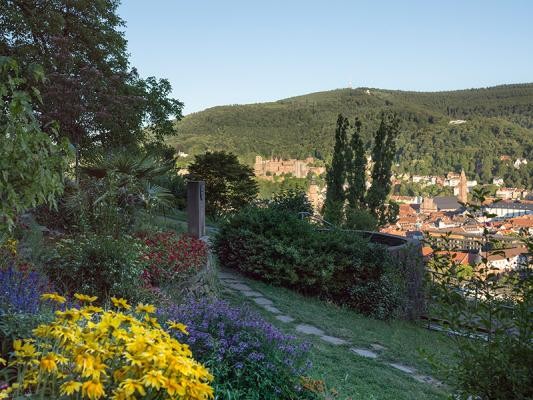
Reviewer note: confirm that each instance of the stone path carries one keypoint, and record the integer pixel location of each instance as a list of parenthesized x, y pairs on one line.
[(233, 283)]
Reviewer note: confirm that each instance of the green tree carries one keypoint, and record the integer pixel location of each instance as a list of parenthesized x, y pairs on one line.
[(336, 174), (383, 154), (356, 169), (229, 185), (31, 165), (91, 91)]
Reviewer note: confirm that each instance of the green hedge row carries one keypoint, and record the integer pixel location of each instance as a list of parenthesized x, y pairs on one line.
[(279, 248)]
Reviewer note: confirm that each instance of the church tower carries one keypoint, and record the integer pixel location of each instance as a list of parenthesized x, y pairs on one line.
[(462, 194)]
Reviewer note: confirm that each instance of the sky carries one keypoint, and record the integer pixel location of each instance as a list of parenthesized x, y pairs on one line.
[(234, 52)]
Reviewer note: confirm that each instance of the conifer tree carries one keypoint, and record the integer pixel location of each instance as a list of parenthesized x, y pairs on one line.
[(336, 174), (356, 169), (383, 154)]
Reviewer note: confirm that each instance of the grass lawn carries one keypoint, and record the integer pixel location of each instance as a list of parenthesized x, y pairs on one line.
[(352, 376)]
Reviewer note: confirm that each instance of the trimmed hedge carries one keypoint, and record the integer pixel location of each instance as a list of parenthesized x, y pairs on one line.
[(279, 248)]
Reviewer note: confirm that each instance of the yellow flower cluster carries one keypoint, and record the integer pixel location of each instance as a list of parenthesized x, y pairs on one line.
[(92, 353)]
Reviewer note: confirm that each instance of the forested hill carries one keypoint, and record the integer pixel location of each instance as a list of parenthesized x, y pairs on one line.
[(499, 121)]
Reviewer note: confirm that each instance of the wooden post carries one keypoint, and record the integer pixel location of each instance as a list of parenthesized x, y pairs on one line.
[(196, 208)]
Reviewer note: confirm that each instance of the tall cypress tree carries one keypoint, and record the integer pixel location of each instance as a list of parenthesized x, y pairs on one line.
[(383, 154), (336, 174), (356, 169)]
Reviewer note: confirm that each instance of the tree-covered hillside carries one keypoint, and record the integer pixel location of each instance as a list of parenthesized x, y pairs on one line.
[(499, 121)]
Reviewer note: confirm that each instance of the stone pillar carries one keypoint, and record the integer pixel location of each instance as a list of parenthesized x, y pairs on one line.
[(196, 208)]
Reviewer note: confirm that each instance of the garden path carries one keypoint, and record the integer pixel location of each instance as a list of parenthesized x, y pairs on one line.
[(233, 283)]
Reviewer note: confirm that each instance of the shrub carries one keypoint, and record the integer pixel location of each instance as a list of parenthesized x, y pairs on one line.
[(171, 257), (250, 358), (360, 219), (102, 265), (100, 354), (291, 201), (280, 248)]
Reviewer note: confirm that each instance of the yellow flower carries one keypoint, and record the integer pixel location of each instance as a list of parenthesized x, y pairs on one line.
[(154, 379), (174, 388), (178, 326), (129, 386), (120, 303), (129, 354), (147, 308), (93, 389), (24, 350), (70, 387), (85, 298), (153, 321), (84, 362), (48, 363), (53, 297)]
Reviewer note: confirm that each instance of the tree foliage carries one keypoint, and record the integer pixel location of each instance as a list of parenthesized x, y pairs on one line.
[(229, 185), (356, 169), (90, 90), (383, 154), (336, 174), (31, 164)]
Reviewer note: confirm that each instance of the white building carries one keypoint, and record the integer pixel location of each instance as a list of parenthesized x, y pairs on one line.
[(508, 209), (498, 181)]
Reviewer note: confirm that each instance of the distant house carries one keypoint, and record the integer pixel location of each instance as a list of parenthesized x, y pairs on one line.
[(511, 193), (509, 259), (447, 203), (498, 181), (519, 162), (508, 209)]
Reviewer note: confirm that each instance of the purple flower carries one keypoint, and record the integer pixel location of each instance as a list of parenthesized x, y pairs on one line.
[(20, 292), (237, 344)]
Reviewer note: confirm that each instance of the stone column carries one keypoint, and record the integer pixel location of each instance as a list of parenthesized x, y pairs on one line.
[(196, 208)]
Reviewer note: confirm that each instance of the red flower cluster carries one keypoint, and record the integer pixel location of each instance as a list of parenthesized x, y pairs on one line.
[(171, 257)]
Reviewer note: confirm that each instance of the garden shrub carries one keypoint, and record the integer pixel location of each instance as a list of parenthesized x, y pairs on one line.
[(292, 201), (249, 358), (117, 354), (282, 249), (102, 265), (170, 257)]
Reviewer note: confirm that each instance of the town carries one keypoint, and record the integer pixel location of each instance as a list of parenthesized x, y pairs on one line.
[(440, 218)]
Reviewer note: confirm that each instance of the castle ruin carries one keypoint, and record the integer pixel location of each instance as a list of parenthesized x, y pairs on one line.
[(277, 166)]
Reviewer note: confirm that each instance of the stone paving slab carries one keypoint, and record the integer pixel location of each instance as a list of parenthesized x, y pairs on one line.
[(251, 293), (241, 287), (403, 368), (377, 347), (364, 353), (428, 379), (263, 301), (309, 330), (284, 318), (333, 340), (271, 309)]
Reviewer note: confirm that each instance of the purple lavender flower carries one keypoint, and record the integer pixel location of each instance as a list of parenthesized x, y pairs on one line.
[(240, 346), (20, 292)]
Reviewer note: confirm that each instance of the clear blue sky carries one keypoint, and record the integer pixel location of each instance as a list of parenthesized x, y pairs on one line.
[(226, 52)]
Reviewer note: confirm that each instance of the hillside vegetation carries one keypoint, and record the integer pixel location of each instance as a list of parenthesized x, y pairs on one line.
[(499, 121)]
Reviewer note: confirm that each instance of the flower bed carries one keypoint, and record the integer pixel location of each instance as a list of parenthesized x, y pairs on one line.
[(248, 356), (118, 354), (171, 257)]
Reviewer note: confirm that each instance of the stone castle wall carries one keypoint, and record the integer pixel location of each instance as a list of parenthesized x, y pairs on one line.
[(277, 166)]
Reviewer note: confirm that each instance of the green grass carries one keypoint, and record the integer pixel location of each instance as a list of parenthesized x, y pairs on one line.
[(352, 376)]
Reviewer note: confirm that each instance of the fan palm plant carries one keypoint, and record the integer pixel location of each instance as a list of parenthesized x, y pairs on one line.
[(115, 186)]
